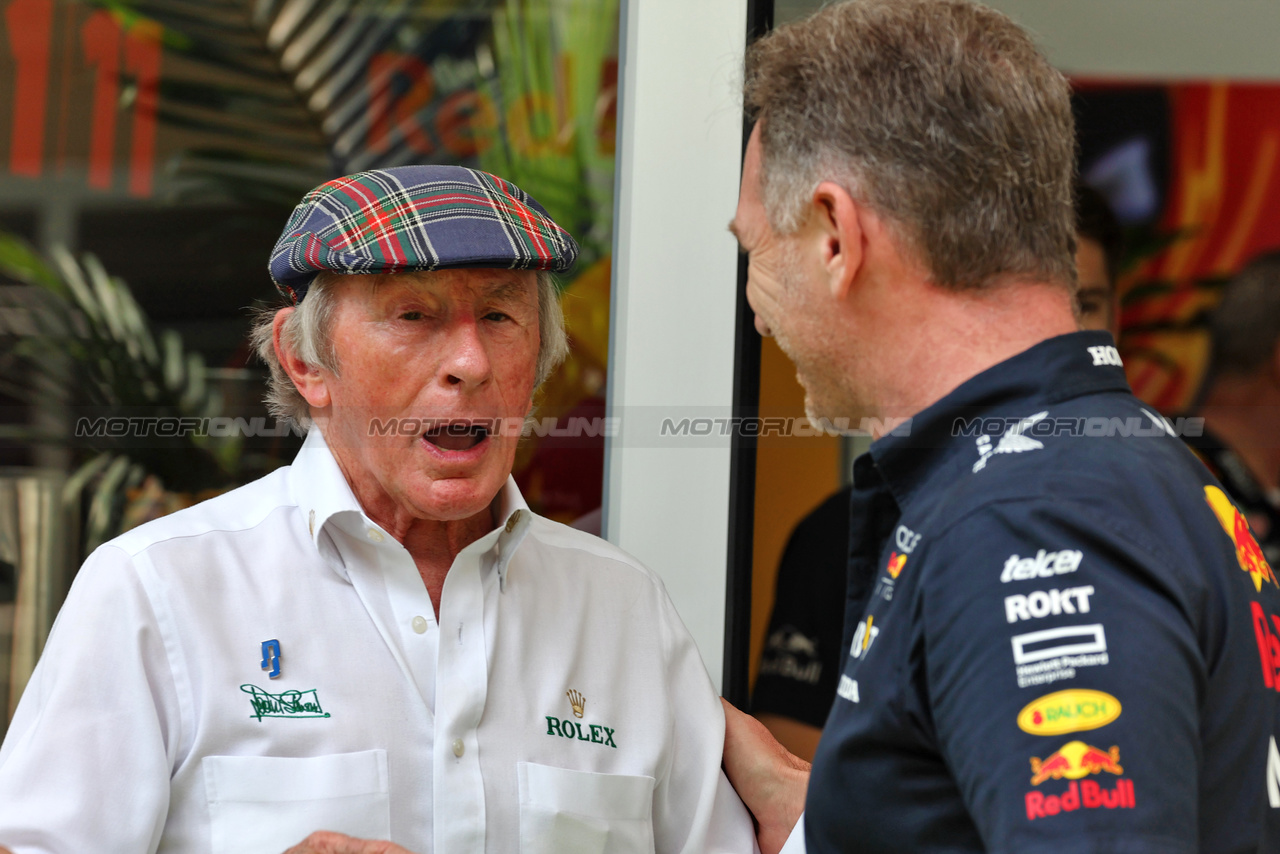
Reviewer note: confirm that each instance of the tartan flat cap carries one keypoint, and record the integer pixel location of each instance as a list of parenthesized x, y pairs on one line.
[(416, 218)]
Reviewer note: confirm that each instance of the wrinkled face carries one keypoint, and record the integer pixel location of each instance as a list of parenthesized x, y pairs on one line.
[(1097, 297), (786, 292), (448, 360)]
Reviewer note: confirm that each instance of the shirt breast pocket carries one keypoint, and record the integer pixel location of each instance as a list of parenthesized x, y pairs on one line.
[(266, 804), (582, 812)]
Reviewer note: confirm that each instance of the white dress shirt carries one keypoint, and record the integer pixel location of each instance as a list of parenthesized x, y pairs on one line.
[(557, 705)]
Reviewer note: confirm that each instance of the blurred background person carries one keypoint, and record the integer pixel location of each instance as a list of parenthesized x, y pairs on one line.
[(800, 665), (1099, 250), (1240, 400)]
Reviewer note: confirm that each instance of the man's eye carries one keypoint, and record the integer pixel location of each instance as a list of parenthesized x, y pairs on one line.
[(412, 315), (496, 315)]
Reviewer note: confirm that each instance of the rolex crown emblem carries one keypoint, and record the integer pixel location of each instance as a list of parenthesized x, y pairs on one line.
[(576, 700)]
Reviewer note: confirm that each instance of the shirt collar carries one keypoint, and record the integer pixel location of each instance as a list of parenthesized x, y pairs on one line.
[(324, 496), (1055, 370)]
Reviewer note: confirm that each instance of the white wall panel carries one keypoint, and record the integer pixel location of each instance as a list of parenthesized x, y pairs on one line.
[(1161, 39), (674, 292)]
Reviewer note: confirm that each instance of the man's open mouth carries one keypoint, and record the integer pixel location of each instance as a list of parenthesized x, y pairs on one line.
[(457, 436)]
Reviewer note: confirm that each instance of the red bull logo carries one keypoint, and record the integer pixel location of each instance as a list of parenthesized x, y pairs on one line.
[(896, 563), (1248, 553), (1268, 645), (1075, 760), (1086, 794)]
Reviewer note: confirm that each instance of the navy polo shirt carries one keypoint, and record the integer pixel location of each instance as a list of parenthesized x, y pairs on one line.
[(1060, 634)]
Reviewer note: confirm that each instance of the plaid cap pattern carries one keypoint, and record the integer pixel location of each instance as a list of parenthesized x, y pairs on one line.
[(416, 218)]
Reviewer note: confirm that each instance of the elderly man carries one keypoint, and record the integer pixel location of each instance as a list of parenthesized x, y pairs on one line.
[(380, 641), (1060, 633)]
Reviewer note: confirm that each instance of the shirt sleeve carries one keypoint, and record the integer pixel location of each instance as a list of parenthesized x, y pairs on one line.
[(85, 765), (1062, 676), (695, 809)]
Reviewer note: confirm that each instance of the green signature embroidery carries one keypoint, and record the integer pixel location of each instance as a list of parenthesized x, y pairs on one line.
[(288, 704)]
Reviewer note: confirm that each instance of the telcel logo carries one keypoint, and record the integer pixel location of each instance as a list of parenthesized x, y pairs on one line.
[(1074, 710), (1043, 565)]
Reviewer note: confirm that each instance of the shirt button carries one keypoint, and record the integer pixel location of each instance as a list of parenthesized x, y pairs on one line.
[(375, 535), (458, 747), (419, 624)]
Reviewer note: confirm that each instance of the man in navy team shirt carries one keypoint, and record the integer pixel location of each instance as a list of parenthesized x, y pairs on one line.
[(1060, 633)]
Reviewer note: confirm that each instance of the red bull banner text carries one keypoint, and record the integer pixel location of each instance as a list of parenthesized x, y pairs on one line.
[(1086, 794), (1074, 761)]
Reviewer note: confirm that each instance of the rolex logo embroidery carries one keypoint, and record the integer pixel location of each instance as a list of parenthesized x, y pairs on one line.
[(567, 728)]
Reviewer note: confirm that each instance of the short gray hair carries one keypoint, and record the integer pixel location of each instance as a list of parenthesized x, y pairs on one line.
[(940, 115), (1245, 327), (306, 334)]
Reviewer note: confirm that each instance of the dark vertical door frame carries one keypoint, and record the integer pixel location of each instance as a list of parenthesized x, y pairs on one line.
[(742, 455)]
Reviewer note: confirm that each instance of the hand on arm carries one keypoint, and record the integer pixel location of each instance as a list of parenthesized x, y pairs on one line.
[(325, 842), (770, 781), (800, 738)]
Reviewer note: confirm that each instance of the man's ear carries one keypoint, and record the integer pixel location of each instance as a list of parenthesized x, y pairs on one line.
[(306, 378), (838, 220)]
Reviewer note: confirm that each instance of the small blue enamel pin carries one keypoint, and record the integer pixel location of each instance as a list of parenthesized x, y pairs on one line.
[(271, 657)]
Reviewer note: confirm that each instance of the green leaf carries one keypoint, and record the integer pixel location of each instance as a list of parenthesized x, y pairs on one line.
[(107, 501), (75, 484)]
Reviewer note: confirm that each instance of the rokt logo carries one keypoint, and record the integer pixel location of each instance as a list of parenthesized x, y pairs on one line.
[(1043, 603)]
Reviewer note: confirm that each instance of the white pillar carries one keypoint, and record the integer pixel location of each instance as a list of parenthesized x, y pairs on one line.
[(674, 295)]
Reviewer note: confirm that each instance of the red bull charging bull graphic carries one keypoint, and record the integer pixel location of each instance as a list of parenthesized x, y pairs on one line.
[(1076, 761), (1248, 552)]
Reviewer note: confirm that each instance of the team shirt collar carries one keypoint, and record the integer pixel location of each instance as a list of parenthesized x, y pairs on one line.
[(326, 500), (1055, 370)]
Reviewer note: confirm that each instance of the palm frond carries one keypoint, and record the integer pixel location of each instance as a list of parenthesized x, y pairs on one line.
[(91, 342), (326, 87)]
